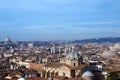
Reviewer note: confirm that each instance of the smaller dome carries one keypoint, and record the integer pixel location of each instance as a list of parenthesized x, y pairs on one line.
[(21, 79), (88, 74)]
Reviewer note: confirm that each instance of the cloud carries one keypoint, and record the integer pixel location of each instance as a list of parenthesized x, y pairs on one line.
[(72, 27), (53, 29), (45, 28), (93, 23), (59, 1)]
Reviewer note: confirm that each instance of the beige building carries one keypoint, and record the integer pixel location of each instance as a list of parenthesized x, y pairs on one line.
[(58, 69), (71, 68)]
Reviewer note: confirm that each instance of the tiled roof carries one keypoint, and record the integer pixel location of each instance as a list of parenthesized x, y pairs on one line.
[(37, 67), (54, 65), (58, 65)]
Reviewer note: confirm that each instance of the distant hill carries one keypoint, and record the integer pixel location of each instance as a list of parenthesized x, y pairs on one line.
[(94, 40), (100, 40)]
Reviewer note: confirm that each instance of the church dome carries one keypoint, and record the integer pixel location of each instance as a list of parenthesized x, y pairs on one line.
[(73, 55), (7, 40), (88, 74)]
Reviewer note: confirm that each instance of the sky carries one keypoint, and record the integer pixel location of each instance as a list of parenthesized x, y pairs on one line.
[(59, 19)]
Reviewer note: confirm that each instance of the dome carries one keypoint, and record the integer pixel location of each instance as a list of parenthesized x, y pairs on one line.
[(7, 40), (110, 54), (21, 79), (73, 55), (88, 74)]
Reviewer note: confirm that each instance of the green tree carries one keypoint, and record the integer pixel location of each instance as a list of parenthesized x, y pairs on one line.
[(112, 76)]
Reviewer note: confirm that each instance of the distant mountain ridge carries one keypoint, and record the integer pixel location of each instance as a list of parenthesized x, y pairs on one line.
[(100, 40), (93, 40)]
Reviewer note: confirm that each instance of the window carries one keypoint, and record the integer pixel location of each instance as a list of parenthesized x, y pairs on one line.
[(74, 64), (100, 68), (63, 74)]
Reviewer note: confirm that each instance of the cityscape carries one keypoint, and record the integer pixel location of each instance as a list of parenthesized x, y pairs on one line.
[(58, 60), (59, 40)]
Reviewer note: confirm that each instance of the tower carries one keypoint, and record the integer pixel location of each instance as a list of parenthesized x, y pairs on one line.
[(59, 49), (53, 50)]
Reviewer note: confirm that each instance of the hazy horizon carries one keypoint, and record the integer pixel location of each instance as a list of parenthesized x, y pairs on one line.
[(59, 19)]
